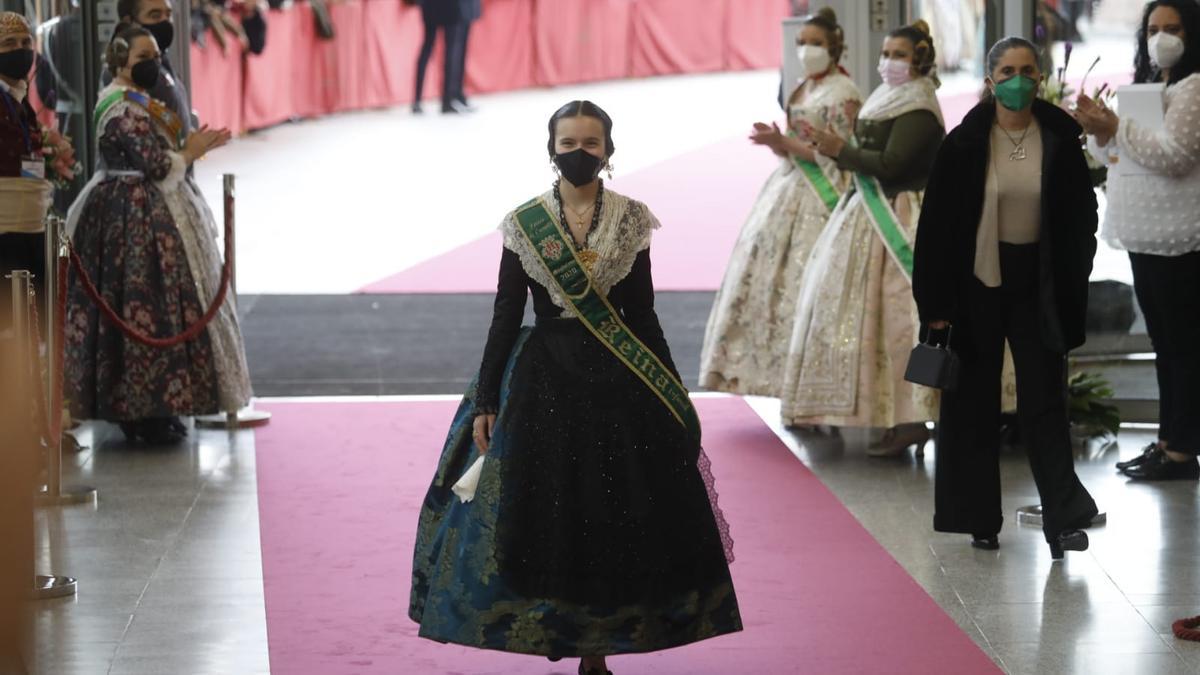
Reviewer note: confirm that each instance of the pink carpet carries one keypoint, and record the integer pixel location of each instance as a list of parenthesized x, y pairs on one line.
[(701, 197), (339, 489)]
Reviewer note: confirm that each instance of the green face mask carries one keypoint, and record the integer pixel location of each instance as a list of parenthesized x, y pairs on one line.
[(1017, 92)]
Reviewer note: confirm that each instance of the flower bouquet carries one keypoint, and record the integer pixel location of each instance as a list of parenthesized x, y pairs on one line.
[(59, 156), (1056, 90)]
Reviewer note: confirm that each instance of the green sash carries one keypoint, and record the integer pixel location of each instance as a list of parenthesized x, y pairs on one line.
[(885, 221), (818, 181), (544, 235)]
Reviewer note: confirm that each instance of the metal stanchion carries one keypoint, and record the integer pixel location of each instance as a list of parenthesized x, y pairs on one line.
[(1032, 515), (54, 494), (247, 417), (44, 586)]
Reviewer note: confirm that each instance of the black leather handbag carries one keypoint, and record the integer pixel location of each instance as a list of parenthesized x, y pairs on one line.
[(933, 365)]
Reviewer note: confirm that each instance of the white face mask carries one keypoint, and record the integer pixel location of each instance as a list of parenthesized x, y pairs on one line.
[(893, 72), (813, 59), (1165, 50)]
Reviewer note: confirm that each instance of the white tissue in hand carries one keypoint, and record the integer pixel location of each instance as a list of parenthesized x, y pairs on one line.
[(465, 487)]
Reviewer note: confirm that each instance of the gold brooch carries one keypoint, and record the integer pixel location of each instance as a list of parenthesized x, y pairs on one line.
[(588, 258)]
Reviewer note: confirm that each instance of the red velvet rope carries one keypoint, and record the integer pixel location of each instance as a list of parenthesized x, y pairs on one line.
[(150, 341), (1185, 629)]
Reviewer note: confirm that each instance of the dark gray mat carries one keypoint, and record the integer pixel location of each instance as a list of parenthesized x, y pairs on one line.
[(337, 345), (342, 345)]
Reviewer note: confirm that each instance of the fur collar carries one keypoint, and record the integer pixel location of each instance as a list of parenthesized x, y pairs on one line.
[(977, 125)]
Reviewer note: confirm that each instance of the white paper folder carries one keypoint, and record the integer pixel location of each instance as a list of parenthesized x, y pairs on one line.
[(1142, 103)]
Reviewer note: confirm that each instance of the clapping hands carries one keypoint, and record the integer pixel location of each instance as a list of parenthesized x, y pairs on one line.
[(826, 141), (768, 135), (205, 139), (1096, 119)]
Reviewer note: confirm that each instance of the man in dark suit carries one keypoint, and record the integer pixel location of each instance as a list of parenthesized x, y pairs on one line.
[(453, 18)]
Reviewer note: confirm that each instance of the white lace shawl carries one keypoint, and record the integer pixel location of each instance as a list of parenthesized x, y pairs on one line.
[(888, 102), (624, 230)]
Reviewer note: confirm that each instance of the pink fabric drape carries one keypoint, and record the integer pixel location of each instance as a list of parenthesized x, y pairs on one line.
[(371, 61)]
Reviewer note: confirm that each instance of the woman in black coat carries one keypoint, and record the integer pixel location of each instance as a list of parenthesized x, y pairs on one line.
[(1004, 250)]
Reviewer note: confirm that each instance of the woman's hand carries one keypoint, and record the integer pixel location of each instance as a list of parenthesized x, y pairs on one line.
[(827, 141), (482, 432), (768, 135), (1096, 119), (204, 139)]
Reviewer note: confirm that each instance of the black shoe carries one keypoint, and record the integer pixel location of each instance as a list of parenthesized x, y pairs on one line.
[(159, 431), (417, 109), (987, 542), (1071, 540), (1147, 453), (131, 430), (455, 108), (1161, 467), (592, 671), (554, 659), (177, 425)]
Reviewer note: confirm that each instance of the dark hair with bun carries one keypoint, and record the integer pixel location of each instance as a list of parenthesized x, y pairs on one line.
[(582, 109), (924, 54), (826, 19), (116, 56)]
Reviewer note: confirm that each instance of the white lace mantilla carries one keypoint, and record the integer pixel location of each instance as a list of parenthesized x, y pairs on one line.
[(888, 102), (624, 230)]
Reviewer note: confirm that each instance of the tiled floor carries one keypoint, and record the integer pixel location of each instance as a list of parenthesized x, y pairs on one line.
[(168, 561), (1106, 610)]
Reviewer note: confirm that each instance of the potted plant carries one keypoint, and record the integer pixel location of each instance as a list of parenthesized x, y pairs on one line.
[(1090, 409)]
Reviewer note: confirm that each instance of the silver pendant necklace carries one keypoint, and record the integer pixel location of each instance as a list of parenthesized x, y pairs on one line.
[(1018, 152)]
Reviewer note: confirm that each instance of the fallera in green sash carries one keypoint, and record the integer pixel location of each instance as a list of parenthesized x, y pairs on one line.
[(545, 236)]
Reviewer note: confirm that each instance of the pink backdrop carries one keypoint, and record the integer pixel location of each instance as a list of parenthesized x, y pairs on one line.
[(370, 62)]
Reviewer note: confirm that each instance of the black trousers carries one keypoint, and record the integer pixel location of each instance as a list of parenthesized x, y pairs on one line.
[(1168, 291), (455, 37), (967, 474)]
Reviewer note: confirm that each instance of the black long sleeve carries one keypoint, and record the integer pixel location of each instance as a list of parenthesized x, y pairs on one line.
[(907, 151), (636, 293), (507, 312), (935, 277)]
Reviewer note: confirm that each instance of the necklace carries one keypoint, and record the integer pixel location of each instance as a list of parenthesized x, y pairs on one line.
[(586, 255), (581, 216), (1018, 152)]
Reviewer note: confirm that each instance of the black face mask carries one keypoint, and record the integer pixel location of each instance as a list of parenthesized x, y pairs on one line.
[(15, 65), (145, 74), (163, 32), (580, 167)]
